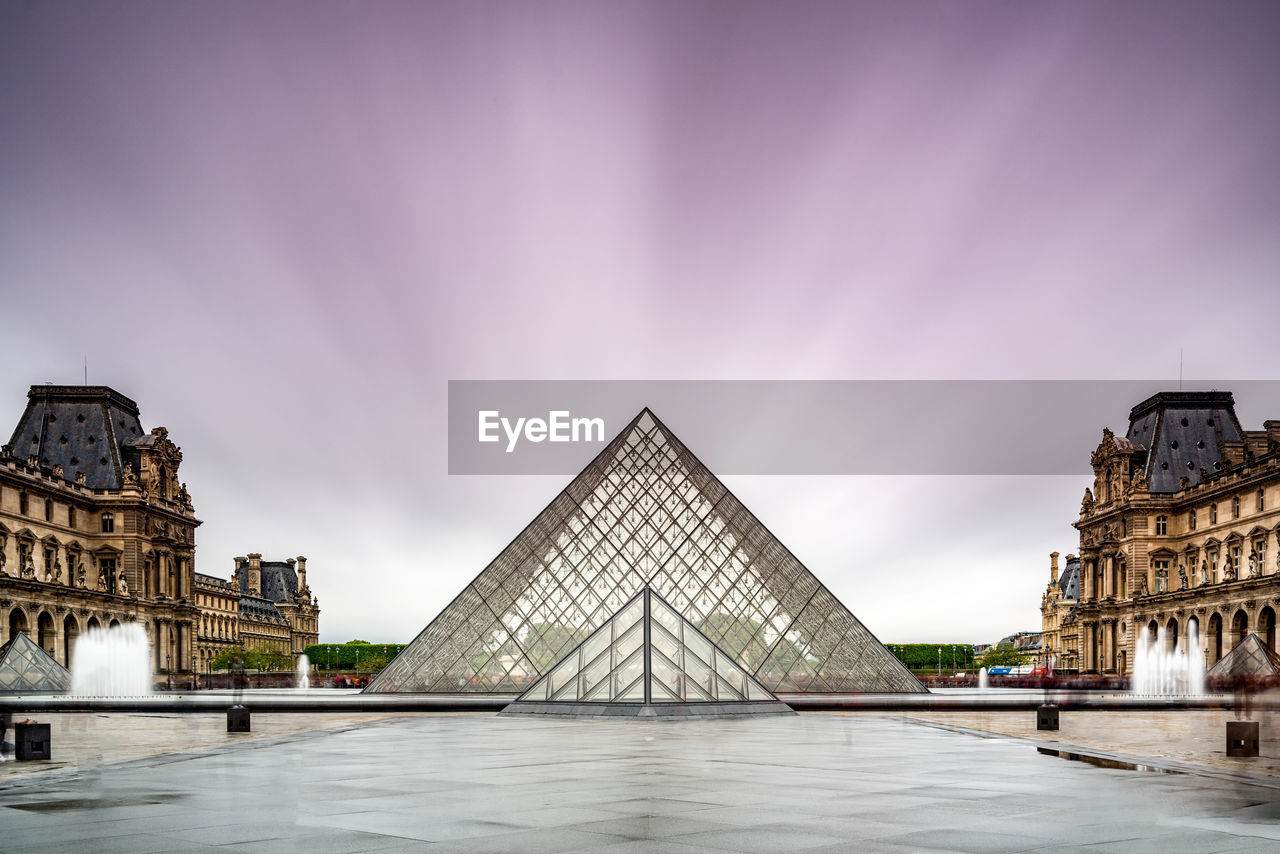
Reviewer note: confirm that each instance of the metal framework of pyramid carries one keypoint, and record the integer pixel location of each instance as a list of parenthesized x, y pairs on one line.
[(645, 513), (25, 667), (647, 653), (1250, 657)]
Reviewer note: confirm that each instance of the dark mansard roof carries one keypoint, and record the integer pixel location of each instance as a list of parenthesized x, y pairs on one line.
[(83, 428), (1182, 431)]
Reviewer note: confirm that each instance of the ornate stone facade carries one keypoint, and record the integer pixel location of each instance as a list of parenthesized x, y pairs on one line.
[(1060, 636), (266, 606), (1180, 531), (95, 528)]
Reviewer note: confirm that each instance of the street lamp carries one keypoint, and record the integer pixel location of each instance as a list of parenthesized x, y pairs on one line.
[(939, 661)]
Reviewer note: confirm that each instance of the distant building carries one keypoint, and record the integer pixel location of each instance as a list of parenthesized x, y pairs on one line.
[(1179, 534), (1061, 637), (95, 527), (266, 606)]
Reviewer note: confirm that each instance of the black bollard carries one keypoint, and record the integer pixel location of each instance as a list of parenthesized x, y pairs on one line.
[(237, 719), (1047, 717), (1242, 738), (32, 741)]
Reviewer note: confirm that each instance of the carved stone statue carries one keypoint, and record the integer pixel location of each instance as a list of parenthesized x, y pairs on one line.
[(1182, 577), (122, 587), (48, 573), (1139, 480), (1229, 570), (102, 578), (3, 571), (80, 575), (57, 572), (1204, 572), (130, 479), (1254, 569), (1086, 504), (29, 571), (1142, 585)]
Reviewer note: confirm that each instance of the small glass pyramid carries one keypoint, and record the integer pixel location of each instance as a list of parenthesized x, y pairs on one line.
[(25, 667), (1250, 657), (647, 653)]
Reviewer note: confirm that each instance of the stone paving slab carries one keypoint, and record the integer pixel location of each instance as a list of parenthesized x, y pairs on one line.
[(483, 783), (1188, 736)]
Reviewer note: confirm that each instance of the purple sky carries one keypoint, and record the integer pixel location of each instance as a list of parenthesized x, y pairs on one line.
[(282, 227)]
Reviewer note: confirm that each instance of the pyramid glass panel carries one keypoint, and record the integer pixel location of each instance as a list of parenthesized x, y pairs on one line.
[(647, 646), (645, 513), (25, 667)]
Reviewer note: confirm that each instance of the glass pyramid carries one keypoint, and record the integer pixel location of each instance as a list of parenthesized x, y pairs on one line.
[(25, 667), (645, 513), (647, 653), (1250, 657)]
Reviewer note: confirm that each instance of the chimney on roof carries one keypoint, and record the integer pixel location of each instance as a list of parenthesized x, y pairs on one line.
[(255, 574), (302, 573), (1053, 567)]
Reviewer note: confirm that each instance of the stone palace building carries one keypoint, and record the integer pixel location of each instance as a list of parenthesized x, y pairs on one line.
[(97, 530), (266, 606), (1180, 532)]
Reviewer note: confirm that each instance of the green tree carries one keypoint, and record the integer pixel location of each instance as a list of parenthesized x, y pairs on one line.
[(1004, 655)]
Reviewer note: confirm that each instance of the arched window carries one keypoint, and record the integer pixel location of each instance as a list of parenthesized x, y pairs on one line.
[(108, 523)]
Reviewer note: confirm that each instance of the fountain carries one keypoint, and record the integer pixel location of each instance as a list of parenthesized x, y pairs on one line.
[(303, 673), (982, 679), (112, 663), (1160, 672)]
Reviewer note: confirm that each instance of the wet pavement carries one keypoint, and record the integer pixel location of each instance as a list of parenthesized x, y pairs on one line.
[(479, 782)]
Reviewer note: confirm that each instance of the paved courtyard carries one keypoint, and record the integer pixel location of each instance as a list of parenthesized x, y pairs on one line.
[(477, 782)]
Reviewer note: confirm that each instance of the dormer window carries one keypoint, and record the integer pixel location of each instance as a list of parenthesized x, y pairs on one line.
[(108, 523), (1162, 526)]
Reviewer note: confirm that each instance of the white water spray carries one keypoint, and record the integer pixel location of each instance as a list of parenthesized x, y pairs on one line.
[(112, 663), (303, 673), (982, 679), (1159, 672)]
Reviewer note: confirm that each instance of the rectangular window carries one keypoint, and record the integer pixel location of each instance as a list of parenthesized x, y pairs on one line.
[(108, 523), (48, 510), (107, 571), (1262, 500), (1213, 514), (71, 516), (1162, 525), (1191, 520)]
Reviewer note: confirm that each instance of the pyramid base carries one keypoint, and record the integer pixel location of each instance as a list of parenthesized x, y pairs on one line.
[(648, 711)]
